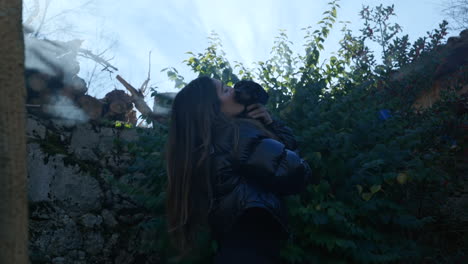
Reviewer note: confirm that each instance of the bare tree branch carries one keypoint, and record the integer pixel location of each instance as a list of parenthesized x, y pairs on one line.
[(43, 18), (139, 101), (41, 12), (144, 86), (70, 10), (457, 10), (88, 54), (34, 14), (91, 77)]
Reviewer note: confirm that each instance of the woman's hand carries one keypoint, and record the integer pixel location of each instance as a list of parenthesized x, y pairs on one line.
[(259, 111)]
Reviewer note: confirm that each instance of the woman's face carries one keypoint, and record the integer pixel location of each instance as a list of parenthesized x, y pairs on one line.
[(229, 106)]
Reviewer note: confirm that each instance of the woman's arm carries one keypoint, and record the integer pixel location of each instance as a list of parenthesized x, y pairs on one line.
[(277, 127), (284, 133), (269, 163)]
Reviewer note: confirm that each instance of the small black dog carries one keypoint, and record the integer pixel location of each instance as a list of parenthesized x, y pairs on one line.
[(250, 92)]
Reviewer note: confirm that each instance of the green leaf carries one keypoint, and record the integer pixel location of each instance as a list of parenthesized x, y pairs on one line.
[(366, 196), (375, 188), (359, 188), (373, 164)]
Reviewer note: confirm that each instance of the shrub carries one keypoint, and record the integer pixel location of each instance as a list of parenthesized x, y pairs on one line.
[(383, 167)]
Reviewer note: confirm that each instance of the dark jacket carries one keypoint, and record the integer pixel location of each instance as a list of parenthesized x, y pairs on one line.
[(258, 174)]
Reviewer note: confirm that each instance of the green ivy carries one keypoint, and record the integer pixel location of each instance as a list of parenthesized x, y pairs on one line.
[(380, 164)]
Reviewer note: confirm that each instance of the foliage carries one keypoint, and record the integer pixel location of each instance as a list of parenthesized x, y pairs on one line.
[(149, 192), (378, 160)]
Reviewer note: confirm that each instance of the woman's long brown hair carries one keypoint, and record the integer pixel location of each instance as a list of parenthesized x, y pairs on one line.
[(196, 108)]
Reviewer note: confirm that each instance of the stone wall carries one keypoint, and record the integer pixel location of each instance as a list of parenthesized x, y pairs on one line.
[(76, 214)]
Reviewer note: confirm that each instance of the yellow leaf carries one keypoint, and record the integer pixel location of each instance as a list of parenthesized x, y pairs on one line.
[(318, 207), (402, 178)]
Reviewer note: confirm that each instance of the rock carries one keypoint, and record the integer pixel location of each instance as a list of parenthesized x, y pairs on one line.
[(76, 257), (80, 192), (41, 211), (59, 260), (34, 128), (55, 181), (38, 256), (81, 255), (114, 239), (129, 135), (110, 244), (123, 204), (91, 221), (65, 237), (83, 142), (109, 219), (126, 219), (66, 195), (138, 217), (39, 174), (107, 137), (108, 199), (124, 258), (93, 243)]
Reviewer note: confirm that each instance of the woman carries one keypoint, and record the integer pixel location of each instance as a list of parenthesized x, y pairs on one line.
[(230, 173)]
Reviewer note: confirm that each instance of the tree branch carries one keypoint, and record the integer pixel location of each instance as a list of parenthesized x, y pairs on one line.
[(88, 54), (140, 104)]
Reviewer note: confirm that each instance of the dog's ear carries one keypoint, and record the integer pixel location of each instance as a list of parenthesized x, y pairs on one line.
[(251, 92), (260, 93)]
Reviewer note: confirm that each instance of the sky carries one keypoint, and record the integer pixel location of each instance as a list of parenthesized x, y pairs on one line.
[(129, 30)]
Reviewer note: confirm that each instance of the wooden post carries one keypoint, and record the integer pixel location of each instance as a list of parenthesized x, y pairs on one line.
[(13, 187)]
